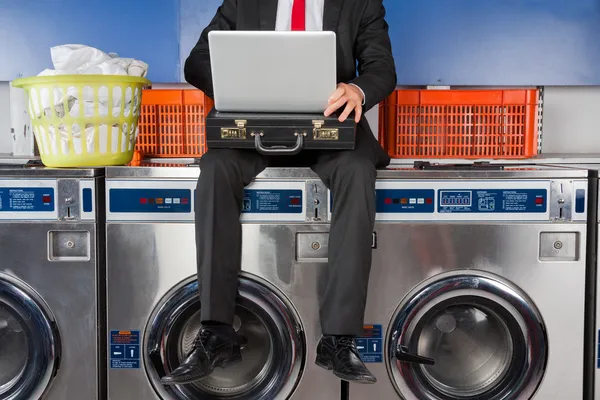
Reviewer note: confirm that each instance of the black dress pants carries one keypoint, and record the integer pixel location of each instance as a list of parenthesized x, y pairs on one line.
[(350, 175)]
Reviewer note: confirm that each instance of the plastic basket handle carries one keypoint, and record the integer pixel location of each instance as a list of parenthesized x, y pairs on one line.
[(279, 150)]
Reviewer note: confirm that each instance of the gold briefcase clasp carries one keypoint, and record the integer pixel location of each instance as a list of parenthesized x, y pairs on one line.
[(320, 133), (235, 133)]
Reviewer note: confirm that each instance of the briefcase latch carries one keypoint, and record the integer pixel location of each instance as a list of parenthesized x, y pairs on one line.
[(320, 133), (235, 133)]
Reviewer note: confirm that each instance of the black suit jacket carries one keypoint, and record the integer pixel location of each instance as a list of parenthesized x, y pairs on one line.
[(362, 41)]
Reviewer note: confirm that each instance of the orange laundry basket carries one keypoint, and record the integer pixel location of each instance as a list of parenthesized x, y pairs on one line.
[(460, 123), (173, 123)]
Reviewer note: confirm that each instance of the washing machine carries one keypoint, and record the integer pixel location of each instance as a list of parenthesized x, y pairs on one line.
[(153, 304), (591, 373), (52, 343), (477, 289)]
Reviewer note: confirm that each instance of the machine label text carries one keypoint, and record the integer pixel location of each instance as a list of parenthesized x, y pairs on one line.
[(493, 201), (285, 201), (26, 199), (370, 344), (124, 349)]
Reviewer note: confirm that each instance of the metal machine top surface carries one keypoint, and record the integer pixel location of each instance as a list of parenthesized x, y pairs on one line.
[(591, 166), (191, 171), (35, 170)]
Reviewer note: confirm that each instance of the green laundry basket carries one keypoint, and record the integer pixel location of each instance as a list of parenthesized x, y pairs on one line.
[(84, 120)]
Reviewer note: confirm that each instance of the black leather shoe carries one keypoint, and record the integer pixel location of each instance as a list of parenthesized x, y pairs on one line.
[(339, 353), (215, 346)]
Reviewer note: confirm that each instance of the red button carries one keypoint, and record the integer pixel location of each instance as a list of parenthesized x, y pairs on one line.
[(388, 201), (539, 200), (185, 200), (294, 201), (143, 201), (46, 199), (428, 201)]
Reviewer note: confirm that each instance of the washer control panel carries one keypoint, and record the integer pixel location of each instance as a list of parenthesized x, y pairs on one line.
[(150, 200), (270, 201), (173, 200), (47, 199), (471, 200), (405, 200), (493, 200), (36, 199)]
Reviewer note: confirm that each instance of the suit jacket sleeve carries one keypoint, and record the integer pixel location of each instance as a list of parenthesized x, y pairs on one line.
[(197, 66), (373, 49)]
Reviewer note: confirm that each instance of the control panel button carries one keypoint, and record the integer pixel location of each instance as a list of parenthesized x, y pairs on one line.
[(392, 201), (148, 200)]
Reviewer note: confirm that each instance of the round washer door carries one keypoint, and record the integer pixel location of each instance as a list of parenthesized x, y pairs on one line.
[(29, 342), (467, 335), (273, 344)]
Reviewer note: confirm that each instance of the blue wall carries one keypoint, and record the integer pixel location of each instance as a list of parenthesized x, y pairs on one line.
[(453, 42), (144, 29), (195, 15), (496, 42)]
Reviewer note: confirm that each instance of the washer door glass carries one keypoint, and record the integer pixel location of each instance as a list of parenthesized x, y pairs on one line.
[(29, 342), (466, 336), (273, 345)]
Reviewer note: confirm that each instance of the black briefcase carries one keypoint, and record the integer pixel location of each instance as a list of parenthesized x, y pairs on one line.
[(279, 134)]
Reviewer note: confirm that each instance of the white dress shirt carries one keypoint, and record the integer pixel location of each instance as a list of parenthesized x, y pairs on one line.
[(314, 19)]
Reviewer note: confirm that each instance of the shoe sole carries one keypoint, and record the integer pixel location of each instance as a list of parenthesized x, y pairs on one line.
[(328, 365), (352, 379), (223, 364)]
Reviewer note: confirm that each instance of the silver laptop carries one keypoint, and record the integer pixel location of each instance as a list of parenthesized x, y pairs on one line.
[(272, 71)]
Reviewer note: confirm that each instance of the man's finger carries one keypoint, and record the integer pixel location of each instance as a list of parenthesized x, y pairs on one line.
[(349, 107), (339, 92), (358, 113), (335, 106)]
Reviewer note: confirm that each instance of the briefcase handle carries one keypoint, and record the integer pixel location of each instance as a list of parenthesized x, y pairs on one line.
[(279, 150)]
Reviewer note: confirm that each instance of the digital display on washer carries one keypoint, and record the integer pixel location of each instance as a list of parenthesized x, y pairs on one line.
[(38, 199), (150, 200), (493, 201), (272, 201)]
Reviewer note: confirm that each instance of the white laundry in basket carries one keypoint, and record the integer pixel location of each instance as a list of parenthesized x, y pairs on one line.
[(85, 60)]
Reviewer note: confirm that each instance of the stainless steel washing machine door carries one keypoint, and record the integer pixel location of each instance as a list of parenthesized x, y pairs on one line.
[(29, 341), (467, 335), (273, 344)]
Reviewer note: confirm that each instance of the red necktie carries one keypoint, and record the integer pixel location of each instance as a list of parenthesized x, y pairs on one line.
[(299, 15)]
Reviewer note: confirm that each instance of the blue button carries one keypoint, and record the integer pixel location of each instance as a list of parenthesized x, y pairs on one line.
[(87, 200), (580, 201)]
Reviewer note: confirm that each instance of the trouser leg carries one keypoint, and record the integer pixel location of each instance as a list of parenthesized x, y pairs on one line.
[(351, 178), (220, 190)]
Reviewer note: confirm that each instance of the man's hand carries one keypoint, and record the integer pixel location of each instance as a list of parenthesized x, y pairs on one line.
[(349, 95)]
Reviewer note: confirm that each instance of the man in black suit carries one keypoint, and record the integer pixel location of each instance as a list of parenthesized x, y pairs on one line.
[(362, 39)]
